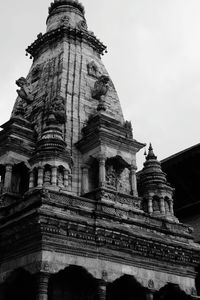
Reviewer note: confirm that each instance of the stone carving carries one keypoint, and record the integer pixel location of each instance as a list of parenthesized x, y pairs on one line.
[(25, 91), (101, 87), (65, 21), (60, 178), (124, 182), (129, 129), (56, 110), (111, 179), (82, 25), (93, 69), (150, 284)]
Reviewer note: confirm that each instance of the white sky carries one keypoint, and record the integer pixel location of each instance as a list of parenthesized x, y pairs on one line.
[(153, 60)]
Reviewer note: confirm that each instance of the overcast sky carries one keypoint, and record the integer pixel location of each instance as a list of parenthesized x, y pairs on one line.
[(153, 59)]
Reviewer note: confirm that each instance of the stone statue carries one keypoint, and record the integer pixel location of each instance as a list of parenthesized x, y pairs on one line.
[(25, 91), (56, 110), (101, 87)]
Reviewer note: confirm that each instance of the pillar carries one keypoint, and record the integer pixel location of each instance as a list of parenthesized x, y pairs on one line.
[(149, 296), (40, 177), (66, 178), (171, 207), (133, 181), (42, 280), (8, 177), (31, 179), (102, 170), (162, 205), (150, 205), (101, 289), (54, 176), (85, 181)]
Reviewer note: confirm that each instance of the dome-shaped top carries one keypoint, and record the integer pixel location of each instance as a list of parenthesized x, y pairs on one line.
[(152, 172), (66, 13), (63, 3)]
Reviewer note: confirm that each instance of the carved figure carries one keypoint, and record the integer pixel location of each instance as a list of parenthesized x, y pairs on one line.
[(56, 110), (25, 91), (111, 178), (101, 87), (93, 69)]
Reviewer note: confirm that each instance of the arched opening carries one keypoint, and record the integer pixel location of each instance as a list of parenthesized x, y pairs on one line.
[(156, 204), (60, 176), (47, 175), (126, 288), (167, 205), (74, 283), (20, 285), (93, 175), (2, 177), (171, 291), (118, 174), (20, 179)]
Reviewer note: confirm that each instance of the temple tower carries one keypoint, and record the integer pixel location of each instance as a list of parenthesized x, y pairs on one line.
[(72, 223)]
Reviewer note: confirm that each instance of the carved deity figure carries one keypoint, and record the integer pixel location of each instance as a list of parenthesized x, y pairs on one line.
[(60, 178), (111, 178), (124, 182), (56, 110), (101, 87), (25, 91)]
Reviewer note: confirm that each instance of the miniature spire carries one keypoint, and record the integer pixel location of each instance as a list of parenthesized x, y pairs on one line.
[(151, 154)]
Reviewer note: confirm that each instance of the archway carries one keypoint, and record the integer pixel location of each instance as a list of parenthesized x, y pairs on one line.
[(126, 288), (171, 291), (74, 283), (20, 179), (20, 285)]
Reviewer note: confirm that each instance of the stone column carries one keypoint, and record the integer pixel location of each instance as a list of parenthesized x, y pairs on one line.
[(31, 179), (149, 296), (8, 177), (101, 289), (102, 170), (171, 207), (54, 176), (40, 177), (150, 205), (85, 180), (133, 181), (66, 178), (162, 205), (42, 280)]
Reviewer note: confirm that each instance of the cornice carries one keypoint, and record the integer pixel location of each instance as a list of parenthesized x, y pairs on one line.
[(65, 32)]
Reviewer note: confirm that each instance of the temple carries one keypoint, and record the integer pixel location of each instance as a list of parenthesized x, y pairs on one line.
[(76, 222)]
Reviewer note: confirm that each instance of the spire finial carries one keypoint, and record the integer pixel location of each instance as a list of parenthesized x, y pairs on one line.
[(151, 154)]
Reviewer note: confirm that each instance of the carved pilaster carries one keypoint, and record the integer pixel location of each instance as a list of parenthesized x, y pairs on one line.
[(171, 207), (133, 181), (31, 179), (54, 176), (150, 205), (42, 280), (66, 178), (162, 205), (8, 177), (85, 183), (101, 290), (102, 170), (40, 177)]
